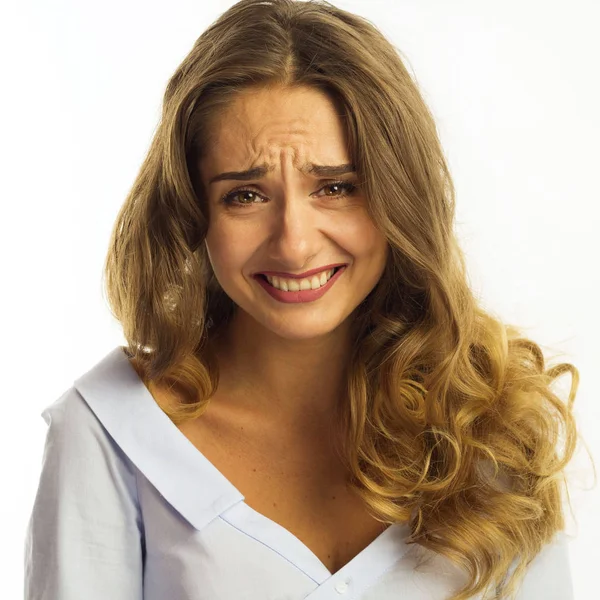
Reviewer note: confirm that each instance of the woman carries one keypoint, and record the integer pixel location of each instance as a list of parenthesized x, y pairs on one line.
[(312, 404)]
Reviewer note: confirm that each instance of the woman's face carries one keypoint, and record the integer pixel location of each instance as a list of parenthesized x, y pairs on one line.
[(288, 219)]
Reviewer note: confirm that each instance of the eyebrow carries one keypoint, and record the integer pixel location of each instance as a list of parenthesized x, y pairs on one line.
[(259, 172)]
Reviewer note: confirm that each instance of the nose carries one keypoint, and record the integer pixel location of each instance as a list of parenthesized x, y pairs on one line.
[(295, 232)]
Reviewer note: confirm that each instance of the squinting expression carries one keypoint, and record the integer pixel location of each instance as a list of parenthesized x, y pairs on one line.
[(284, 216)]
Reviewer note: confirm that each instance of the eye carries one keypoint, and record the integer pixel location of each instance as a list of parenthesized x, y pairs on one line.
[(348, 188), (229, 199)]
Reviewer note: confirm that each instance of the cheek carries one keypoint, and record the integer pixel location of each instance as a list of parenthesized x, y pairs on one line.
[(363, 237), (228, 249), (216, 248)]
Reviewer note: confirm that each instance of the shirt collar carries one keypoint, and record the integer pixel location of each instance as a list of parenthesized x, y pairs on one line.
[(153, 443)]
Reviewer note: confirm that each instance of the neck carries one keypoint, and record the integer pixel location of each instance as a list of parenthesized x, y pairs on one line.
[(292, 383)]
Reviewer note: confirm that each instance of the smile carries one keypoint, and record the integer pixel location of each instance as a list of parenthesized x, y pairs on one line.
[(300, 290), (296, 285)]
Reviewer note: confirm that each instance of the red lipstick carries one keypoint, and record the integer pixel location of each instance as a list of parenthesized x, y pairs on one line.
[(299, 296)]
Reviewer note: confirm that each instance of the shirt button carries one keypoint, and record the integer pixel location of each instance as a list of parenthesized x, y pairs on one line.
[(341, 587)]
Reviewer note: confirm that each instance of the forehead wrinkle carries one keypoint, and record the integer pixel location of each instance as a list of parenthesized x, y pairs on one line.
[(275, 141), (251, 135), (278, 154), (284, 165), (265, 123)]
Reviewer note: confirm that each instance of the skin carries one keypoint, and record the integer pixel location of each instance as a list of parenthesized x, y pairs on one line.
[(283, 363)]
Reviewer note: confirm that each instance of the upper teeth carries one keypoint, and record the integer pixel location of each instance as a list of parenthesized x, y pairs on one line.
[(296, 285)]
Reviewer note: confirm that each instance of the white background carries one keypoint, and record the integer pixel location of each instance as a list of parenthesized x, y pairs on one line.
[(514, 89)]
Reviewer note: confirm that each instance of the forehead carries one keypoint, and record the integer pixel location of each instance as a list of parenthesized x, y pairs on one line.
[(260, 124)]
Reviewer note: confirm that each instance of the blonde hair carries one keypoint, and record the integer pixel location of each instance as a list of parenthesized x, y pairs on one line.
[(449, 419)]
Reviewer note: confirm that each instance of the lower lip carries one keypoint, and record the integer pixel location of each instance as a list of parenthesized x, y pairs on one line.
[(301, 296)]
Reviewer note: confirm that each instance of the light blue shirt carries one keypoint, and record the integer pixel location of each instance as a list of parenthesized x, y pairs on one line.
[(127, 508)]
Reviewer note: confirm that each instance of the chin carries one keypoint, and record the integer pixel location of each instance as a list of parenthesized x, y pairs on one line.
[(302, 329)]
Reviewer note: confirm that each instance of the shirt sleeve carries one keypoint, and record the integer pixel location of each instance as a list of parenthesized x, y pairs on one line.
[(84, 537)]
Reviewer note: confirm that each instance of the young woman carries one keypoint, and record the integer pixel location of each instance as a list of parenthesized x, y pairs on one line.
[(312, 404)]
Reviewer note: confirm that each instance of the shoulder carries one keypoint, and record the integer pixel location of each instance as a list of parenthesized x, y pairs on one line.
[(84, 535), (78, 446), (71, 420), (69, 410)]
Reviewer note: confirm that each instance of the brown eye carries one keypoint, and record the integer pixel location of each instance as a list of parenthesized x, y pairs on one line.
[(230, 199), (341, 185), (247, 197)]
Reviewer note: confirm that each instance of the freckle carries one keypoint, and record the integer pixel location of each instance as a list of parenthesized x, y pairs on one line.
[(333, 497), (254, 470)]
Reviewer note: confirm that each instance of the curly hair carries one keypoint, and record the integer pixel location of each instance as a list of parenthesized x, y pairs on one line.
[(448, 414)]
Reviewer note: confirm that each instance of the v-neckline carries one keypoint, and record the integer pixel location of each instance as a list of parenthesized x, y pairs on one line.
[(194, 486), (292, 548), (270, 532)]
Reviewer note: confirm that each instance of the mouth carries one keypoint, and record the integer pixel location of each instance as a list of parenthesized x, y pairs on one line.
[(292, 292), (335, 270)]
